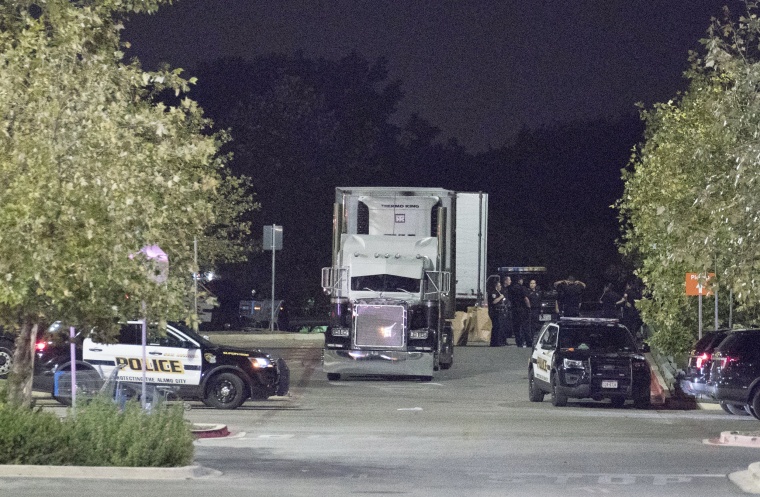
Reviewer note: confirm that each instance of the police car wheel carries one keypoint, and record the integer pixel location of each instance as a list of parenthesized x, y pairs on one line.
[(6, 360), (225, 391), (643, 402), (617, 402), (558, 399), (534, 393)]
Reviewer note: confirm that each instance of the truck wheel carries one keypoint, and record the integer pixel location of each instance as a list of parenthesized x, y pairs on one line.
[(617, 402), (333, 376), (447, 365), (558, 399), (755, 404), (6, 359), (225, 391), (534, 393), (643, 402), (737, 410)]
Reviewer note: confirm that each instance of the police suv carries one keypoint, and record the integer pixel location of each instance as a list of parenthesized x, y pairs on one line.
[(588, 358), (179, 360)]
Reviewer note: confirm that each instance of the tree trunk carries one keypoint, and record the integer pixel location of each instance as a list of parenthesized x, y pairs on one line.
[(22, 373)]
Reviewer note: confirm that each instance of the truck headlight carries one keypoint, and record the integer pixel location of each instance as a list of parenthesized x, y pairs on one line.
[(418, 334), (339, 332), (572, 364), (260, 362)]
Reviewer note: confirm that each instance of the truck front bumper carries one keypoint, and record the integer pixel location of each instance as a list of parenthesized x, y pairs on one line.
[(379, 362)]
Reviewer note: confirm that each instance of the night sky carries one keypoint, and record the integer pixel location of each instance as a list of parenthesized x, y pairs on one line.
[(478, 69)]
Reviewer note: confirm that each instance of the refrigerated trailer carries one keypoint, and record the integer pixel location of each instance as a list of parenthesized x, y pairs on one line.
[(394, 282)]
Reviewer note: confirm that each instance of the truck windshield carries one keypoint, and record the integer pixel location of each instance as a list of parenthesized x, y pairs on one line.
[(385, 283), (601, 338)]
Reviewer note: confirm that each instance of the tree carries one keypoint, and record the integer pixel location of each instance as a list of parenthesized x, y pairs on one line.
[(690, 202), (93, 169)]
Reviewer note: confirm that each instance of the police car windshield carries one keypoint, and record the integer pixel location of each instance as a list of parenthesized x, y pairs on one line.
[(596, 338), (192, 334)]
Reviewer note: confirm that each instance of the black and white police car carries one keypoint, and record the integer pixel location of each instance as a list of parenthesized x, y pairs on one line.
[(180, 360), (588, 358)]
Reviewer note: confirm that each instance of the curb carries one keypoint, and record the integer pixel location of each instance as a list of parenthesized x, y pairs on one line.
[(749, 480), (209, 431), (738, 439), (108, 472)]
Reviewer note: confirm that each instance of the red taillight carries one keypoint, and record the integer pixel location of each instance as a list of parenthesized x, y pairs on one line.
[(40, 346), (702, 359)]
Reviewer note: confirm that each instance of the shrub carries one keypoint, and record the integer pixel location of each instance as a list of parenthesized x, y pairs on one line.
[(100, 434)]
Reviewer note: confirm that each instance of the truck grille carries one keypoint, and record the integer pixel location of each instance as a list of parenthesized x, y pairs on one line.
[(380, 326)]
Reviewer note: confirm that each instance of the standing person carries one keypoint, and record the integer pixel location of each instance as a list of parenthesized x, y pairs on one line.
[(569, 293), (505, 320), (534, 296), (610, 301), (495, 304), (631, 318), (520, 313)]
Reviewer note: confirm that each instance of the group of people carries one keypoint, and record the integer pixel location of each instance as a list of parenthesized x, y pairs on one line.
[(514, 310)]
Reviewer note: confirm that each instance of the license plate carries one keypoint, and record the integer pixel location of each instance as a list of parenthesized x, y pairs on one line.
[(545, 317), (609, 384)]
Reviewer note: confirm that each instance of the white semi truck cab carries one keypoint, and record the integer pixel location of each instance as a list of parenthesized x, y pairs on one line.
[(392, 282)]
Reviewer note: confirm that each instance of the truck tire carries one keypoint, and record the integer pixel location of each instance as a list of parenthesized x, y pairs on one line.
[(225, 391), (558, 398), (535, 394), (6, 358)]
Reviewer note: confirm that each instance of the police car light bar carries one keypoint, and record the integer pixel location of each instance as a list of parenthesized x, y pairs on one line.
[(590, 320), (522, 269)]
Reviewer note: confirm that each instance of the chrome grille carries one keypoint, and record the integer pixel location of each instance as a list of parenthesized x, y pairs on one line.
[(379, 326)]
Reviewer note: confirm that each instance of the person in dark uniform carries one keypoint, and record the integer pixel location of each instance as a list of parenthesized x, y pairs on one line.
[(569, 293), (534, 297), (520, 313), (505, 320), (611, 302), (631, 318), (495, 305)]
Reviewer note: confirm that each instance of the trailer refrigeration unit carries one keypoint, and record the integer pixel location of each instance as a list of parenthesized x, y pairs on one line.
[(393, 278)]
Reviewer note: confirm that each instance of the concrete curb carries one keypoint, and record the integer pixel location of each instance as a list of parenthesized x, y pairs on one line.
[(108, 472), (749, 480), (209, 431), (737, 439)]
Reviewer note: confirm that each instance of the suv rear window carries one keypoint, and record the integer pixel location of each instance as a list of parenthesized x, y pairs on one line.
[(741, 343)]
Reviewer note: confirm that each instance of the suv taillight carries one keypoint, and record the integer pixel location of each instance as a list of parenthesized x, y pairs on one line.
[(702, 359)]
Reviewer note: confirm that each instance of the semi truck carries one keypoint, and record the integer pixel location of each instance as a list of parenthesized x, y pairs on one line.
[(394, 282)]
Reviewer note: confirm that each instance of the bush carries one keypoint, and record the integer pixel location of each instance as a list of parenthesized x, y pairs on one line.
[(100, 434)]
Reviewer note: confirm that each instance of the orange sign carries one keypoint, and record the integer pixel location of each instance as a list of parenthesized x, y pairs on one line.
[(696, 284)]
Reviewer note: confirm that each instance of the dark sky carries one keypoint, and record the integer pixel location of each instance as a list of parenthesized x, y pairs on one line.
[(478, 69)]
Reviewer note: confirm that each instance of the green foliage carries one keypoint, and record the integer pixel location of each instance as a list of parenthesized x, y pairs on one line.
[(92, 169), (690, 202), (99, 435)]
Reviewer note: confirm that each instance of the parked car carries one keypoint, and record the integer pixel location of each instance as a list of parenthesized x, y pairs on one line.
[(7, 345), (694, 381), (735, 371), (697, 371), (589, 358), (179, 360)]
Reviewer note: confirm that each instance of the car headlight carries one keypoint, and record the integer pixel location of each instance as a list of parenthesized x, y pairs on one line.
[(572, 364), (260, 362), (418, 334)]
